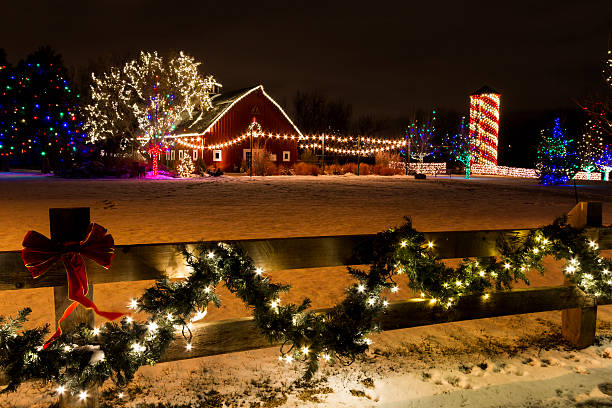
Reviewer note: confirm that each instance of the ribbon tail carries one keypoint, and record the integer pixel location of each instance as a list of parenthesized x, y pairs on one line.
[(78, 286), (58, 332), (91, 305)]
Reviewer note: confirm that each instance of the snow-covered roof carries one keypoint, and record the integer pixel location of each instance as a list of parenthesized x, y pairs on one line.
[(222, 103)]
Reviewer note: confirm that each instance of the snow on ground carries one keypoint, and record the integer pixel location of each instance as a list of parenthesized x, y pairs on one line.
[(510, 361)]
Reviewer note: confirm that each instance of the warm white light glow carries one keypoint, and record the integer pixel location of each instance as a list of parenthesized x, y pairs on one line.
[(138, 348), (199, 315), (484, 127)]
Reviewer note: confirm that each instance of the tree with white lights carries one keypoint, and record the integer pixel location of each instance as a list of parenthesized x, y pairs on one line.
[(145, 100), (604, 163), (590, 148)]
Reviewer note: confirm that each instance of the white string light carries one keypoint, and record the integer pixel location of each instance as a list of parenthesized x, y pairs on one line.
[(199, 315)]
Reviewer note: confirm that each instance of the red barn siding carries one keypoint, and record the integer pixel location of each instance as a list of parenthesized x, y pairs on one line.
[(236, 121)]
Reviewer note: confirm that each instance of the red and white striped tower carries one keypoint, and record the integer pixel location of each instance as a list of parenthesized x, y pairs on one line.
[(484, 125)]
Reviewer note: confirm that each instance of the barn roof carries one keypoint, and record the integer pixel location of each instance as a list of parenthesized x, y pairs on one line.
[(221, 104)]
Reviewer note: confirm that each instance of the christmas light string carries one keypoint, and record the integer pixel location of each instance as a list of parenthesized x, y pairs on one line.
[(154, 92), (86, 357), (484, 126), (195, 142), (361, 152)]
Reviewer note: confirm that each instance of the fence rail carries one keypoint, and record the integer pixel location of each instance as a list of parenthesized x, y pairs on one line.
[(150, 261)]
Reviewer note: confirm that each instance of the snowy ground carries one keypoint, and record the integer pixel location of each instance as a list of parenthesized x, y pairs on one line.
[(511, 361)]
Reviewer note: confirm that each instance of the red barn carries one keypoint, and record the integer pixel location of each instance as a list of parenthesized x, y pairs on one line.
[(220, 136)]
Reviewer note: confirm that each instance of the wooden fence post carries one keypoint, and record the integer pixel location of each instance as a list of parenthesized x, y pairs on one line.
[(578, 324), (70, 224)]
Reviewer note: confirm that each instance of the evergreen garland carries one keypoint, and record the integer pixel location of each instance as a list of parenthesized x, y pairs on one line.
[(86, 357)]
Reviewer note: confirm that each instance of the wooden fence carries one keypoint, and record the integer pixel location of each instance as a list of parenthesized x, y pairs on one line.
[(151, 261)]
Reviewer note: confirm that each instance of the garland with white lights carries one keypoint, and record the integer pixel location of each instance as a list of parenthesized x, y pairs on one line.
[(86, 357)]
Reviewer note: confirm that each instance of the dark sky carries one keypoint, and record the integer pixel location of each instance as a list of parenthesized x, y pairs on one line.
[(383, 57)]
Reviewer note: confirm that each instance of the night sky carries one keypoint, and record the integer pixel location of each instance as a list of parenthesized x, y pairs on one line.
[(386, 58)]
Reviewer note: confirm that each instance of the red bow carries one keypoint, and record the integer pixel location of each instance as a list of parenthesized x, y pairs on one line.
[(40, 253)]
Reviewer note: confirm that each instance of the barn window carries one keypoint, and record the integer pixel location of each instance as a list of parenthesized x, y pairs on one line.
[(272, 157), (286, 155), (195, 154), (180, 155), (172, 154), (216, 155)]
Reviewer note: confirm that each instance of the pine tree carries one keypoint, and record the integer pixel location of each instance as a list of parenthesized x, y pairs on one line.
[(7, 118), (185, 168), (557, 161), (46, 131)]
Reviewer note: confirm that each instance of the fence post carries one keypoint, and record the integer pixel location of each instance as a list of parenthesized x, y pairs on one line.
[(578, 324), (70, 224)]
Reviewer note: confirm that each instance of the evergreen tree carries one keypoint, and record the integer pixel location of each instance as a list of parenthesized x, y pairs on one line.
[(7, 120), (557, 159), (47, 131)]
